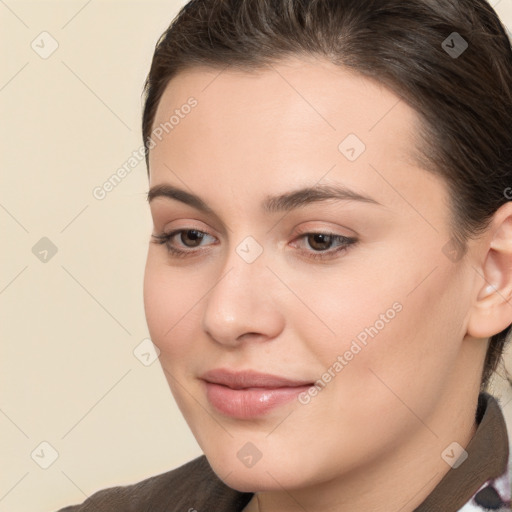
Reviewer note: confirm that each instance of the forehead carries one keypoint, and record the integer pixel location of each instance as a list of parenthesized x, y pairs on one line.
[(295, 99), (315, 81), (290, 123)]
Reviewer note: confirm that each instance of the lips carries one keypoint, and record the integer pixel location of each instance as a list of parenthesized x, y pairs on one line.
[(250, 379), (249, 394)]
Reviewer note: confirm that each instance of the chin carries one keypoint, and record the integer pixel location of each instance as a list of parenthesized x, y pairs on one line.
[(271, 474), (251, 480)]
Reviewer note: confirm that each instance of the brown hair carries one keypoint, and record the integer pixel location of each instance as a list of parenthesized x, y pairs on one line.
[(464, 101)]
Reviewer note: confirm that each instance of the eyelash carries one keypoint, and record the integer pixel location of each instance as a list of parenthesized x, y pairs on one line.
[(165, 238)]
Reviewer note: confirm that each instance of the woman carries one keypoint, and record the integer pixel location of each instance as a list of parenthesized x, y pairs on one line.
[(329, 275)]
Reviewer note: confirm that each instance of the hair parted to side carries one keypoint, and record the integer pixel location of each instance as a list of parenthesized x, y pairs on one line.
[(465, 103)]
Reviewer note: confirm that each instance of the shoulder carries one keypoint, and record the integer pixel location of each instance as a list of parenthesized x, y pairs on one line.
[(186, 488)]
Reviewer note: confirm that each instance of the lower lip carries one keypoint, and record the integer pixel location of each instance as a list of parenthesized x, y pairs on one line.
[(250, 402)]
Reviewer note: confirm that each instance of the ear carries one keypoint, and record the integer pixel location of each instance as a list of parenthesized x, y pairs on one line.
[(492, 310)]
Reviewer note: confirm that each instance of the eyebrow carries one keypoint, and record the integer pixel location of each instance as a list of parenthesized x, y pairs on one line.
[(272, 204)]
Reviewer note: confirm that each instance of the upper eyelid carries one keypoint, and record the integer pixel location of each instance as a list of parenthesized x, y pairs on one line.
[(301, 231), (326, 231)]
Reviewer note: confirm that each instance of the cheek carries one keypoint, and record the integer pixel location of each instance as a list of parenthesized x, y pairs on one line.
[(343, 305), (393, 319), (169, 307)]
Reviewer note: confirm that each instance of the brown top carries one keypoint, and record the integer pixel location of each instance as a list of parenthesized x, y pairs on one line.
[(488, 454), (195, 486)]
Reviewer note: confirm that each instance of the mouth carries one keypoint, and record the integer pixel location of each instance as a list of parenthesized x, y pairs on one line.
[(250, 379), (249, 394)]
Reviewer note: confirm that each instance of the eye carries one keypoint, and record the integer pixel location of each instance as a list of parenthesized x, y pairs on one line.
[(322, 242), (319, 241), (192, 235), (190, 238)]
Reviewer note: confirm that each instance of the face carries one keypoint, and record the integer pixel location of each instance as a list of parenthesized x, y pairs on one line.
[(349, 286)]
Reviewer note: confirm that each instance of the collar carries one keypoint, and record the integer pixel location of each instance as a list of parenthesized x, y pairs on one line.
[(488, 458)]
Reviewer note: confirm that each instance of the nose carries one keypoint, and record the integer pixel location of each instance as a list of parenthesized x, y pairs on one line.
[(242, 305)]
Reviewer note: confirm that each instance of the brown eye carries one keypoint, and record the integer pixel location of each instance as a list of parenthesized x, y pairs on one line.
[(191, 235), (324, 246), (319, 241), (182, 242)]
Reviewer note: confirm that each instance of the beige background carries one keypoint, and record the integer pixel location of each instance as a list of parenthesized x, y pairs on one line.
[(70, 324)]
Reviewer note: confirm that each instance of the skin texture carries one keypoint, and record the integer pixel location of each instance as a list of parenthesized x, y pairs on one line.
[(372, 439)]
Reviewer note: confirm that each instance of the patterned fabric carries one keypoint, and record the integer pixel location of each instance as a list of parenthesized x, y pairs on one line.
[(494, 494)]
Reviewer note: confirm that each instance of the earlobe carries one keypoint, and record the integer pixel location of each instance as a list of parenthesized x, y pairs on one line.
[(492, 309)]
